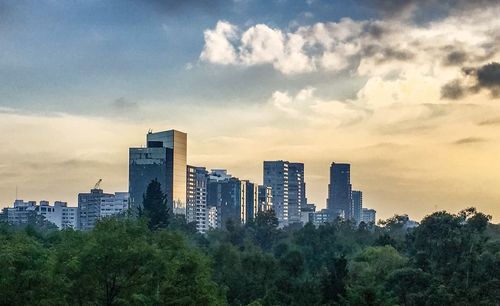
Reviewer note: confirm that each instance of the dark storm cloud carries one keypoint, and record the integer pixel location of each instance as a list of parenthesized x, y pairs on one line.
[(455, 58), (485, 77), (387, 53), (453, 90), (469, 140)]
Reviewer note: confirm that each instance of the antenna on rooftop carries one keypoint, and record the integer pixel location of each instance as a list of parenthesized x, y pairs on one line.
[(150, 131)]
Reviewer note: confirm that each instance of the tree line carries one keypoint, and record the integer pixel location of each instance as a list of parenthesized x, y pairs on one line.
[(158, 259)]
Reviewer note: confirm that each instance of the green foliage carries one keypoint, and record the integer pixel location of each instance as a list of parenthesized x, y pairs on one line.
[(154, 206), (447, 260)]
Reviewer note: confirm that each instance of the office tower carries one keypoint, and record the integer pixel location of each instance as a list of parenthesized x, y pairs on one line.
[(369, 216), (276, 177), (296, 191), (228, 195), (164, 159), (339, 201), (357, 206), (114, 205), (196, 203), (265, 198), (89, 208), (252, 200)]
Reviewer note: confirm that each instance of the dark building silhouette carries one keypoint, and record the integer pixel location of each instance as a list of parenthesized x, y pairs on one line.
[(339, 203), (276, 177), (357, 206), (296, 192), (229, 197)]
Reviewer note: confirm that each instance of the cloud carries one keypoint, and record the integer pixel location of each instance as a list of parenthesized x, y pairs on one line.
[(174, 6), (474, 79), (453, 90), (469, 140), (490, 122), (358, 47), (122, 104)]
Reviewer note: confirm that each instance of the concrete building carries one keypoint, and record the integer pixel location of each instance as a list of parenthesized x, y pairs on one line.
[(164, 159), (60, 214), (89, 208), (296, 192), (339, 201), (321, 217), (196, 202), (276, 177), (115, 205), (212, 220), (357, 206), (369, 216), (265, 198)]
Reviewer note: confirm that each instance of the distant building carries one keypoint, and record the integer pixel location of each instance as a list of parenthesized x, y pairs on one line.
[(212, 218), (115, 205), (321, 217), (369, 216), (296, 192), (339, 201), (196, 203), (276, 177), (22, 212), (60, 214), (307, 213), (265, 198), (164, 159), (251, 200), (228, 195), (357, 206)]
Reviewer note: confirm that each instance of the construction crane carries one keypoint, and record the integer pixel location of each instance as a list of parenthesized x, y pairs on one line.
[(98, 184)]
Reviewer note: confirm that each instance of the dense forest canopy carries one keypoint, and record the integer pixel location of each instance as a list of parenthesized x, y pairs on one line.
[(449, 259)]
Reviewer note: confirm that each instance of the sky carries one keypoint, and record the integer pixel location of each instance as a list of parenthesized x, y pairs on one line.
[(408, 92)]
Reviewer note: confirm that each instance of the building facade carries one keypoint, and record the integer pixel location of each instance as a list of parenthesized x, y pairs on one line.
[(339, 201), (276, 177), (369, 216), (89, 208), (265, 198), (196, 202), (296, 192), (164, 160), (251, 200), (357, 206), (114, 205)]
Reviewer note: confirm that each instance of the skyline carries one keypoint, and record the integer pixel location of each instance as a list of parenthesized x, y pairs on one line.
[(415, 111)]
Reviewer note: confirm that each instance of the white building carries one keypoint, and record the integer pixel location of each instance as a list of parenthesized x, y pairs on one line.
[(60, 214), (212, 217), (115, 205)]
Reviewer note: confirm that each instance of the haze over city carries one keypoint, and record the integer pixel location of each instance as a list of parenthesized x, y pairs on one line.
[(407, 94)]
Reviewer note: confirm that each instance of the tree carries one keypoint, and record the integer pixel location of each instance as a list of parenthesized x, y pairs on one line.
[(155, 206)]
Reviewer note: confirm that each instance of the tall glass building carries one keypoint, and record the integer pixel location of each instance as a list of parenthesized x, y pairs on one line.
[(163, 159), (357, 206), (276, 177), (339, 203)]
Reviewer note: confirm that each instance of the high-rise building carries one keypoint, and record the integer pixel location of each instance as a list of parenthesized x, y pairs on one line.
[(369, 216), (357, 206), (59, 214), (229, 195), (276, 177), (252, 200), (339, 201), (164, 159), (265, 198), (288, 187), (296, 191), (89, 208), (196, 203)]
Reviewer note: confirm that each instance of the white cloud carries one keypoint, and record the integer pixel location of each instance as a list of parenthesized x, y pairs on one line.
[(218, 47)]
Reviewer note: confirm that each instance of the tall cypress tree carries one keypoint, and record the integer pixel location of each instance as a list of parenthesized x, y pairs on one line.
[(154, 206)]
